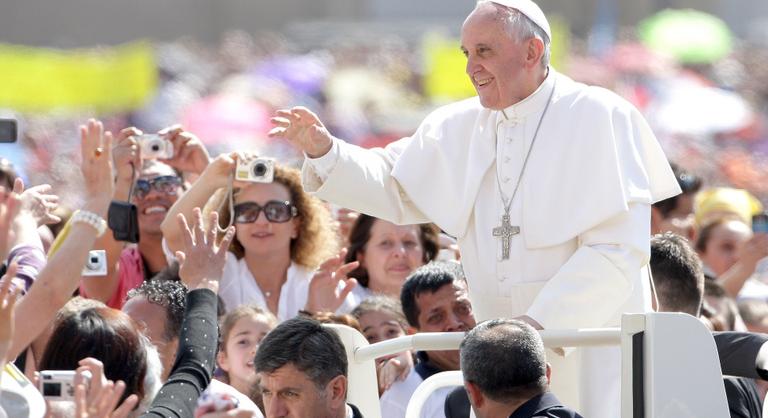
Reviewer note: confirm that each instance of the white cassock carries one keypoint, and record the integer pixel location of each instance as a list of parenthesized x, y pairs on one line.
[(583, 209)]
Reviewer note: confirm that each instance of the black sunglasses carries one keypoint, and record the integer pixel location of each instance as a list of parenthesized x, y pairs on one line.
[(164, 184), (277, 211)]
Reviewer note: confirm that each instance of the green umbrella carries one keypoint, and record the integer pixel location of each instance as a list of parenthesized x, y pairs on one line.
[(691, 36)]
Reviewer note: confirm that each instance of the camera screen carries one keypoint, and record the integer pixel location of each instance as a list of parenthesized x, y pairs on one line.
[(8, 130), (52, 389)]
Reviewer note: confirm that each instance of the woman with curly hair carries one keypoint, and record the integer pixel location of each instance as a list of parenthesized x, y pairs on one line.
[(282, 235)]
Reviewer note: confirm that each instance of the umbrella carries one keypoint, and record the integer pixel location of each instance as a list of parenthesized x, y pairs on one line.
[(691, 36)]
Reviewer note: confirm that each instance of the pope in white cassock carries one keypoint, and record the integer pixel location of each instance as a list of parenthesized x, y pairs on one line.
[(546, 183)]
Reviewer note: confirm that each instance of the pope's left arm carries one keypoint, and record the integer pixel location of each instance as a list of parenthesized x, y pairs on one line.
[(599, 278)]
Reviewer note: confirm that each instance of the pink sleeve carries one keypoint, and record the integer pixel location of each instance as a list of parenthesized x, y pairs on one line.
[(131, 275)]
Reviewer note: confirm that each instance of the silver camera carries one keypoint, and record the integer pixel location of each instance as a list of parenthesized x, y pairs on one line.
[(96, 264), (59, 384), (155, 147), (256, 170)]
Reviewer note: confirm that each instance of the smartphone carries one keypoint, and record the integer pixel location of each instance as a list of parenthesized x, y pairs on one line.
[(760, 223), (9, 130)]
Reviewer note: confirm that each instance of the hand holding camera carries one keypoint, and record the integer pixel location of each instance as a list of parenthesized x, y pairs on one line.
[(189, 154)]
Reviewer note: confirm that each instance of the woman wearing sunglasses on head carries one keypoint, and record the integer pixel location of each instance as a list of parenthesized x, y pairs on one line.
[(282, 235)]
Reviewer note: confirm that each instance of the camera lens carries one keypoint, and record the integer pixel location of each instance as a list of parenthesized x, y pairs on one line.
[(94, 260), (259, 169), (155, 147)]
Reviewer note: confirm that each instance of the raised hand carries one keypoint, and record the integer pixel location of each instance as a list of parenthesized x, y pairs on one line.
[(217, 173), (40, 203), (202, 260), (102, 405), (303, 129), (126, 155), (8, 298), (189, 153), (96, 150), (325, 294)]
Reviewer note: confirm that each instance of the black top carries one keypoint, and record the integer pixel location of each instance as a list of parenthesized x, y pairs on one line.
[(545, 405), (355, 412), (424, 367), (743, 354), (743, 399), (195, 359), (457, 404)]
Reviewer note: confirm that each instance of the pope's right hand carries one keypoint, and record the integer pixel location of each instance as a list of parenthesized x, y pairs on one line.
[(303, 129)]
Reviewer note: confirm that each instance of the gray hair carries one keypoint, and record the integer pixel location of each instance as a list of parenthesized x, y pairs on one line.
[(520, 27), (505, 359)]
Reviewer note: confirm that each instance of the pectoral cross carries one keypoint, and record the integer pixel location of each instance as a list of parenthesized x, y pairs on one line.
[(506, 231)]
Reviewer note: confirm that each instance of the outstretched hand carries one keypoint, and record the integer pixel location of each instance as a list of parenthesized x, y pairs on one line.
[(39, 202), (96, 150), (330, 285), (303, 129), (202, 260), (189, 152), (103, 404)]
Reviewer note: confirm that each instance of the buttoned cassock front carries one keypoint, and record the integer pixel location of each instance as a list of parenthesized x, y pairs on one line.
[(583, 209)]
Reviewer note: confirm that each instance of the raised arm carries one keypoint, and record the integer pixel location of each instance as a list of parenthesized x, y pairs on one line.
[(126, 159), (202, 264), (215, 176), (59, 279)]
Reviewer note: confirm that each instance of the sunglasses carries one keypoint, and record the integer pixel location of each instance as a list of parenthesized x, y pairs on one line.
[(163, 184), (277, 211)]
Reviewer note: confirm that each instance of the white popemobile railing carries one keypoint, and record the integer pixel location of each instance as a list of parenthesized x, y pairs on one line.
[(670, 367)]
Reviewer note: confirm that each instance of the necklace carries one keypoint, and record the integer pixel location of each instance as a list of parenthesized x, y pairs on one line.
[(506, 230)]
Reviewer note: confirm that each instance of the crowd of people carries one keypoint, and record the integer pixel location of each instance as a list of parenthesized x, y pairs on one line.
[(212, 304)]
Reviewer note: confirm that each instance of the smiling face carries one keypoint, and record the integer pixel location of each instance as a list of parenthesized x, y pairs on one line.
[(390, 255), (154, 206), (236, 357), (262, 237), (503, 70)]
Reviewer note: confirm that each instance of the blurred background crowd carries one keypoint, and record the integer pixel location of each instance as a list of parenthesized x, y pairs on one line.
[(372, 71)]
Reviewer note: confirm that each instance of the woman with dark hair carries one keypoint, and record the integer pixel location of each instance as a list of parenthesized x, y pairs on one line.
[(387, 254), (113, 338), (283, 234)]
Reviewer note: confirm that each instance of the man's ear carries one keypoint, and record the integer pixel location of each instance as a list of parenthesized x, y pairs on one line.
[(535, 52), (549, 373), (476, 397), (338, 391)]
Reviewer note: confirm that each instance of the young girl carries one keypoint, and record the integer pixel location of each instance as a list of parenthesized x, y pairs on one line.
[(242, 329), (381, 318)]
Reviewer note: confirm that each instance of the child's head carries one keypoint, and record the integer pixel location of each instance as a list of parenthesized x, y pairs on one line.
[(381, 318), (241, 332)]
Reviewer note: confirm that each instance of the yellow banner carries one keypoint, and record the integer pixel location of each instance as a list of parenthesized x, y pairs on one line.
[(445, 77), (105, 79)]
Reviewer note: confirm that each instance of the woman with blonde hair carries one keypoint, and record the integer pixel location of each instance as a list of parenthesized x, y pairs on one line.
[(282, 235)]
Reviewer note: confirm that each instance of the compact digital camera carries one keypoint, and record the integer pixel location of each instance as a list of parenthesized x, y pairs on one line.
[(256, 170), (155, 147), (59, 384), (96, 264)]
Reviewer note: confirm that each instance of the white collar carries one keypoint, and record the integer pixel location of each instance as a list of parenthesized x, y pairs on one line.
[(533, 103)]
